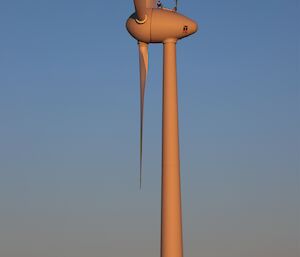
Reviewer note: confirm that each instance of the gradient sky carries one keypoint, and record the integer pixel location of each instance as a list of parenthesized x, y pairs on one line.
[(69, 131)]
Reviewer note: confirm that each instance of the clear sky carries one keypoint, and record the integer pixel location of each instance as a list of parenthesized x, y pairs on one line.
[(69, 131)]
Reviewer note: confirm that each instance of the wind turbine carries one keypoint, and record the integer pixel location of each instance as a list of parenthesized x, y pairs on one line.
[(160, 25)]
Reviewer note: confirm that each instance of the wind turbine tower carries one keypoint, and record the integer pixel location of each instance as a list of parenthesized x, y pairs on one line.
[(151, 23)]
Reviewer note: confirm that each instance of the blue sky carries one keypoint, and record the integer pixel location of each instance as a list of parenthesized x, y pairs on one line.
[(69, 131)]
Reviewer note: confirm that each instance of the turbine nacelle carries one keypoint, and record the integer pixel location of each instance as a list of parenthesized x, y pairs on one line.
[(160, 25)]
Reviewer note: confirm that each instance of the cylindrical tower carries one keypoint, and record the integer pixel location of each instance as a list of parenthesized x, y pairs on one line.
[(171, 221)]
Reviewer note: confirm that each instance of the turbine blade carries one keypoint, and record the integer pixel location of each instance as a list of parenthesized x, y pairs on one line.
[(143, 61), (140, 8), (151, 3)]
